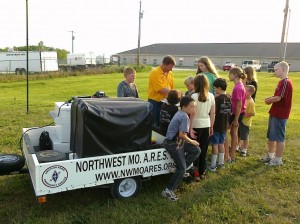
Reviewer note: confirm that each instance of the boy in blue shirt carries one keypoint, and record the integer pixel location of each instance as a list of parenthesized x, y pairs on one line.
[(181, 148)]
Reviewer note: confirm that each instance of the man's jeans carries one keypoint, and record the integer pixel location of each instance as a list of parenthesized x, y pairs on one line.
[(183, 158)]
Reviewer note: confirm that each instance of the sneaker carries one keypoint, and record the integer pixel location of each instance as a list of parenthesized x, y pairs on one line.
[(212, 168), (220, 166), (266, 159), (274, 162), (243, 154), (169, 194), (186, 175), (238, 149)]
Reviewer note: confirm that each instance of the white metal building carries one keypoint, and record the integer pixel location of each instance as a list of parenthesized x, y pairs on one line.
[(187, 54)]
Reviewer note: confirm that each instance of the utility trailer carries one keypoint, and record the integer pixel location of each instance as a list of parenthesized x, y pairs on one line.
[(16, 62), (96, 142), (79, 61)]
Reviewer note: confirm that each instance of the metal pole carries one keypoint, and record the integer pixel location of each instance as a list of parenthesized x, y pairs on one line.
[(287, 32), (72, 40), (27, 59), (286, 9), (139, 35)]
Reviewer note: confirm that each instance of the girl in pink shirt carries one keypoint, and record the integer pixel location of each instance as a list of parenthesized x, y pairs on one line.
[(238, 106)]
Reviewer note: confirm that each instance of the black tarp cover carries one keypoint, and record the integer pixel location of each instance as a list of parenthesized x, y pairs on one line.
[(104, 126)]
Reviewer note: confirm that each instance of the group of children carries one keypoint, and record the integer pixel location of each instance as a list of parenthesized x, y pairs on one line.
[(207, 114), (215, 112)]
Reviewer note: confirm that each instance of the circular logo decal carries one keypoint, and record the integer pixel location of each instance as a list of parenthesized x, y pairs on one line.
[(55, 176)]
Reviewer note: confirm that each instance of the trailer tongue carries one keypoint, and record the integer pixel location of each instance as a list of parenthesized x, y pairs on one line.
[(96, 142)]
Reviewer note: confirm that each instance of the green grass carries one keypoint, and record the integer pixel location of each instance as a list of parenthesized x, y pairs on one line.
[(244, 192)]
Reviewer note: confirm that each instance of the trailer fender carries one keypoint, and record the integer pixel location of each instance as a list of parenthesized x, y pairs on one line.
[(11, 163), (126, 188)]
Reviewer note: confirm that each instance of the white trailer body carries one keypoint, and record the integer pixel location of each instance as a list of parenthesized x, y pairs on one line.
[(101, 60), (75, 173), (81, 59), (16, 62)]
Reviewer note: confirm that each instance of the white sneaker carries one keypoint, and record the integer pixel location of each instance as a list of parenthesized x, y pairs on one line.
[(169, 194), (212, 168), (266, 159), (274, 162)]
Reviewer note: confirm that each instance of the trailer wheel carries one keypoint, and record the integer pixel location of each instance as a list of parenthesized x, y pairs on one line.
[(50, 156), (11, 162), (126, 188), (23, 71), (17, 71)]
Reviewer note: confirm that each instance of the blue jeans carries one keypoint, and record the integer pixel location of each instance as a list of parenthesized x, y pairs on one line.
[(155, 112), (183, 158)]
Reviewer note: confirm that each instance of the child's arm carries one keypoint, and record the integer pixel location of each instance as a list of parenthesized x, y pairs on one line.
[(184, 136), (235, 122), (249, 115), (272, 99), (191, 131)]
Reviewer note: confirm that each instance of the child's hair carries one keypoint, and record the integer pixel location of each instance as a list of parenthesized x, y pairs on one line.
[(285, 66), (251, 88), (209, 65), (251, 73), (201, 87), (173, 97), (185, 101), (128, 70), (220, 82), (189, 80), (169, 60), (239, 72)]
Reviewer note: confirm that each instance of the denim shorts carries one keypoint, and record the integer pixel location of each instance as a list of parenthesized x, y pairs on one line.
[(217, 138), (276, 129), (243, 131)]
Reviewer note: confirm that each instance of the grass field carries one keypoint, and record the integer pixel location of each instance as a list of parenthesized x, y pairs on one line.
[(244, 192)]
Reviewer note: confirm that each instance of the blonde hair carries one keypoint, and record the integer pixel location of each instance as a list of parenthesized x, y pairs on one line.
[(209, 65), (284, 65), (251, 73), (251, 88), (189, 80), (128, 70), (239, 72), (201, 87)]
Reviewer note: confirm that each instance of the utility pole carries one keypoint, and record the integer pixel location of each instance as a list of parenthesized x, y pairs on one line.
[(73, 38), (139, 35), (283, 34)]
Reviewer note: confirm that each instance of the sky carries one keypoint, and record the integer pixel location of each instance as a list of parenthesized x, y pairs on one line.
[(106, 27)]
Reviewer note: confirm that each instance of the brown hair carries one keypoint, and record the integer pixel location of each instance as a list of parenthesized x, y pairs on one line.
[(209, 65), (201, 87), (128, 70), (169, 60), (251, 73), (173, 97), (239, 72)]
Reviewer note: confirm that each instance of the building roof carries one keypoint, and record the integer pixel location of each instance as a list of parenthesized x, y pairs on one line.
[(219, 49)]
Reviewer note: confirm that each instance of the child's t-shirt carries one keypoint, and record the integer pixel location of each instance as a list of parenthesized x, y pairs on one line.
[(223, 110), (250, 108), (282, 108), (180, 122), (238, 94), (167, 112)]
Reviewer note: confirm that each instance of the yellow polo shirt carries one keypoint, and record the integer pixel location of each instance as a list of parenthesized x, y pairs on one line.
[(157, 81)]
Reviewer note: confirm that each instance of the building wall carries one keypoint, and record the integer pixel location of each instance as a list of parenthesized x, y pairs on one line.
[(191, 60)]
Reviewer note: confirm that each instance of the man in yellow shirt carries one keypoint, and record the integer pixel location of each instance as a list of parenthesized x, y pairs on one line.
[(161, 81)]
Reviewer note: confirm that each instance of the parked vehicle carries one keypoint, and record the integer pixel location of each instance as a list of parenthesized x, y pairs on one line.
[(228, 65), (271, 66), (80, 61), (254, 63), (16, 62)]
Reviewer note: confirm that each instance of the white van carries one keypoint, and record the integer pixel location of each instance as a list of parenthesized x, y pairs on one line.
[(254, 63)]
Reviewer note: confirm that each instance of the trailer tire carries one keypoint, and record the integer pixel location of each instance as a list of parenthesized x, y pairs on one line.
[(11, 163), (126, 188), (50, 156), (23, 71), (17, 71)]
